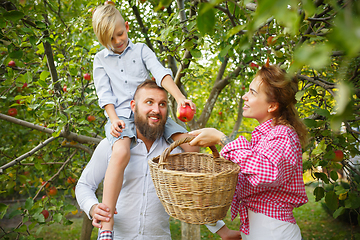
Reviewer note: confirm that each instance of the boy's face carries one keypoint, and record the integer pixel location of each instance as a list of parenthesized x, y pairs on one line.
[(119, 39)]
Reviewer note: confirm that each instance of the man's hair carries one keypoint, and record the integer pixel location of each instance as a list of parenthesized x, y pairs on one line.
[(149, 84), (103, 21)]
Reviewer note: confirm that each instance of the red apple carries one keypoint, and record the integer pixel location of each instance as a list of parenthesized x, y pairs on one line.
[(71, 180), (87, 76), (220, 113), (12, 64), (243, 87), (12, 112), (109, 2), (91, 118), (45, 213), (53, 191), (270, 41), (185, 114), (254, 65), (339, 156), (65, 88), (24, 86), (47, 185)]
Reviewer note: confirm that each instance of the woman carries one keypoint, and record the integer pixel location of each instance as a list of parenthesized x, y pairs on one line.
[(270, 181)]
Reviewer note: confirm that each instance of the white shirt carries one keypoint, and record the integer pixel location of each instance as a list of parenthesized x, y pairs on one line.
[(116, 77), (140, 212)]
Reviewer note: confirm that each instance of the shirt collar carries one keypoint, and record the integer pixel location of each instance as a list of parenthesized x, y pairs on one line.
[(109, 52), (264, 128)]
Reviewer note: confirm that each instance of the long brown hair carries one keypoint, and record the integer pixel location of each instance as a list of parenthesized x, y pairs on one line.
[(280, 88)]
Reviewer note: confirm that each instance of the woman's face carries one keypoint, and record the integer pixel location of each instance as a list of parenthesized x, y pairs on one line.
[(256, 104)]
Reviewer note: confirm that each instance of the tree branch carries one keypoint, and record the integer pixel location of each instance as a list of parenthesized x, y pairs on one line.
[(31, 152), (69, 136)]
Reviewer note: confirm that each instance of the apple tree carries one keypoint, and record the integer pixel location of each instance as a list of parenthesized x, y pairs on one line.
[(51, 121)]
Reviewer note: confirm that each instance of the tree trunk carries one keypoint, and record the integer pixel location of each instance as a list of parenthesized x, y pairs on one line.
[(190, 231), (86, 228)]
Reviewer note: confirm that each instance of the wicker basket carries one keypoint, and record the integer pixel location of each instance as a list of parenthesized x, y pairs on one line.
[(195, 188)]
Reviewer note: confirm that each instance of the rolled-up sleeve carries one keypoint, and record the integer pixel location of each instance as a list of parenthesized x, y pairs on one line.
[(92, 176), (102, 83), (153, 65)]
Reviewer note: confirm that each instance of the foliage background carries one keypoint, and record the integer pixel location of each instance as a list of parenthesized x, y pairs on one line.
[(214, 49)]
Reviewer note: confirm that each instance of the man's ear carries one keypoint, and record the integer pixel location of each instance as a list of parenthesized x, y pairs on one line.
[(273, 107), (132, 105)]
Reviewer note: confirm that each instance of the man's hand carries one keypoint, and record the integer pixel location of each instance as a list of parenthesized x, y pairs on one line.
[(227, 234), (100, 212)]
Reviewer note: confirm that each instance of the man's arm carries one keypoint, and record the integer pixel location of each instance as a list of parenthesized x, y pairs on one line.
[(92, 176)]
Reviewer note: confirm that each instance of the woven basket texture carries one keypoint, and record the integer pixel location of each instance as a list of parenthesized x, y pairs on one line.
[(195, 188)]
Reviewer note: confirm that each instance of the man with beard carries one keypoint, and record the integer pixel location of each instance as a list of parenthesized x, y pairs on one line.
[(140, 212)]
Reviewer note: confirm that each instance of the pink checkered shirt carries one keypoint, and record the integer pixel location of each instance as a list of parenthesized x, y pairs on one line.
[(270, 180)]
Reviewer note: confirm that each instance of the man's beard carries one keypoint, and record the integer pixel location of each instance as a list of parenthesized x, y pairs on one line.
[(149, 132)]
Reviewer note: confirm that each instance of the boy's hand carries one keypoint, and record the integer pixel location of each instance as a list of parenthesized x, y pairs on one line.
[(116, 127), (183, 103)]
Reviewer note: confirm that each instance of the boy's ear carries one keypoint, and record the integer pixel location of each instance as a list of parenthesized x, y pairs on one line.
[(127, 26), (273, 107)]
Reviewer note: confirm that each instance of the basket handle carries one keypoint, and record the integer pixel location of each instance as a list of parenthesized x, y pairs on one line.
[(177, 143)]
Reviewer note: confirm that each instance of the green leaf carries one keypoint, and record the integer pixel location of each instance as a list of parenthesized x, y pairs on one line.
[(206, 20), (13, 15), (323, 112), (334, 176), (44, 75), (57, 217), (331, 200), (310, 123), (225, 50), (322, 176), (196, 53), (320, 148), (29, 203), (338, 212), (319, 193), (3, 209), (15, 213), (16, 54), (23, 228)]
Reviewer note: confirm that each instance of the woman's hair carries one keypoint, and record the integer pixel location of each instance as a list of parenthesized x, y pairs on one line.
[(103, 21), (280, 88)]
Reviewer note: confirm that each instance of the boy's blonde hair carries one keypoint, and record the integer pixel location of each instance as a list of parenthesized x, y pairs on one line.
[(103, 21)]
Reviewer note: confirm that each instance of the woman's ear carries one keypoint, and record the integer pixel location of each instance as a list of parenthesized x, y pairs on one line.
[(273, 107)]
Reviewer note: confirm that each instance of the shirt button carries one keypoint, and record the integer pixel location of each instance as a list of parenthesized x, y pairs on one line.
[(125, 81), (121, 70), (144, 194)]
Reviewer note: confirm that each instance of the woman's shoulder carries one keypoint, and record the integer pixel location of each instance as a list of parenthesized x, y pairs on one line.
[(284, 130)]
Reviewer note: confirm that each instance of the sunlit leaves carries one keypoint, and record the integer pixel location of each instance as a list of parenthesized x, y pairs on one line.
[(206, 19)]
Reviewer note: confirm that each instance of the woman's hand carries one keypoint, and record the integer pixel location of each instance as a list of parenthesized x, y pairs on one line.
[(227, 234), (100, 213), (206, 137)]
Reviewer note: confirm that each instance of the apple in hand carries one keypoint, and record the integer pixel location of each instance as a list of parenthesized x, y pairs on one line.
[(339, 156), (185, 114)]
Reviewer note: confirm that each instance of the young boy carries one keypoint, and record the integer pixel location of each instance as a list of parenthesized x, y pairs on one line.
[(118, 70)]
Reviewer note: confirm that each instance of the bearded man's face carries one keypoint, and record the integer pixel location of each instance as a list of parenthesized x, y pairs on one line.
[(151, 113)]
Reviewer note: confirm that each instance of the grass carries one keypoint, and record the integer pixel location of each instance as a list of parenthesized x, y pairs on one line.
[(315, 224)]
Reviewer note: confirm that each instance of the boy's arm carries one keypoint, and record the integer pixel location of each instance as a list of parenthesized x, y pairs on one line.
[(170, 86)]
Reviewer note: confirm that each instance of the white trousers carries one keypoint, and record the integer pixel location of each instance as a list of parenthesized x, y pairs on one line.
[(264, 227)]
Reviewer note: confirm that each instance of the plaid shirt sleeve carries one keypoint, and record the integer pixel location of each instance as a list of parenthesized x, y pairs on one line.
[(270, 162)]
